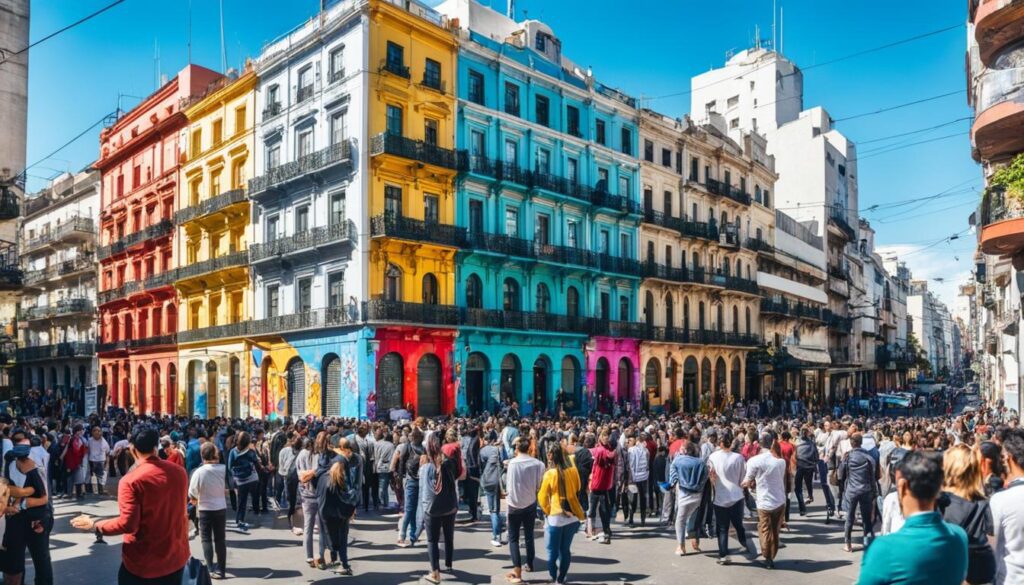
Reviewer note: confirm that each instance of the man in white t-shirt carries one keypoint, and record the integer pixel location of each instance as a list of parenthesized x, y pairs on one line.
[(1008, 513), (766, 474), (99, 450), (727, 471)]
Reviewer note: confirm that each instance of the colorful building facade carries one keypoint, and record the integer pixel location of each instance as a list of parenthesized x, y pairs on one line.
[(213, 226), (139, 165)]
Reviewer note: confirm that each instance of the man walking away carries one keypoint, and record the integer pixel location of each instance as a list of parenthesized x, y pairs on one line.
[(766, 474), (727, 469), (639, 473), (806, 464), (926, 549), (858, 470), (383, 452), (1008, 513), (491, 459), (525, 475)]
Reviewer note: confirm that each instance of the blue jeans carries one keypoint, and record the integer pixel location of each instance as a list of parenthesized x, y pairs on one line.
[(384, 486), (559, 549), (494, 508), (410, 523), (830, 501), (244, 491)]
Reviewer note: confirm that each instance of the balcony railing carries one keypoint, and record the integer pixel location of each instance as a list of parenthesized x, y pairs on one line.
[(699, 336), (785, 307), (729, 235), (840, 324), (272, 110), (143, 343), (209, 206), (608, 263), (303, 94), (60, 269), (395, 68), (60, 308), (523, 320), (107, 296), (902, 358), (418, 150), (310, 239), (838, 218), (232, 260), (83, 225), (69, 349), (160, 229), (310, 163), (759, 245), (674, 274), (740, 284), (727, 190), (407, 228), (397, 311), (700, 229), (663, 220)]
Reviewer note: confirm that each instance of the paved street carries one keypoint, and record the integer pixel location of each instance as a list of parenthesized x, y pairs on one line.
[(812, 554)]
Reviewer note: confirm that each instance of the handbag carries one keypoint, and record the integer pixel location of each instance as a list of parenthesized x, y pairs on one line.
[(195, 573)]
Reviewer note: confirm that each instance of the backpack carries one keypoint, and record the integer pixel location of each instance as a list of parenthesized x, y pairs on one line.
[(411, 460), (490, 479), (896, 457), (241, 465)]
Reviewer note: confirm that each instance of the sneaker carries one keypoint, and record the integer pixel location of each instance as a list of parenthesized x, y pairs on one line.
[(297, 531), (724, 561), (495, 543), (606, 540), (243, 528), (343, 571)]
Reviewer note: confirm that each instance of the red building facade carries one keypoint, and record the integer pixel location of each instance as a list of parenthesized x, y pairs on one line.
[(414, 368), (139, 160)]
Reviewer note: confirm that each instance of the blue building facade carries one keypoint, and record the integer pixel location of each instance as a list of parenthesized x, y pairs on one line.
[(548, 192)]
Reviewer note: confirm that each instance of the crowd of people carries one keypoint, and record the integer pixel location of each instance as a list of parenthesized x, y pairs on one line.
[(947, 484)]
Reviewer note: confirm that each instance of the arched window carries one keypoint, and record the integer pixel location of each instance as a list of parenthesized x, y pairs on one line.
[(543, 298), (758, 234), (757, 193), (735, 319), (648, 308), (720, 313), (670, 311), (739, 268), (767, 198), (700, 316), (695, 262), (510, 295), (748, 321), (572, 302), (686, 313), (429, 289), (392, 283), (624, 308), (650, 252), (474, 292)]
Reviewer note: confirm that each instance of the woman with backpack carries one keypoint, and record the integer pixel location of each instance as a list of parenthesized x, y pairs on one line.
[(244, 466), (409, 455), (305, 469), (439, 498), (558, 499), (963, 503)]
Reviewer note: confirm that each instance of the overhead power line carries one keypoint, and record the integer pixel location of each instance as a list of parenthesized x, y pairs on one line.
[(912, 132), (899, 106), (69, 142), (5, 56), (816, 65), (880, 151)]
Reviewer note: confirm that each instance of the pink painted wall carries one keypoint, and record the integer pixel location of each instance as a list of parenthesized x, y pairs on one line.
[(614, 350)]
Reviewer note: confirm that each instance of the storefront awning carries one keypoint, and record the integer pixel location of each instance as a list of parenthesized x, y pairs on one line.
[(810, 355)]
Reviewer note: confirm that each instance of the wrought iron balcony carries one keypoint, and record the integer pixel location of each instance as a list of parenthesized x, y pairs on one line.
[(727, 190), (729, 235), (740, 284), (524, 320), (509, 246), (799, 310), (303, 94), (700, 229), (699, 336), (160, 280), (232, 260), (395, 68), (628, 329), (209, 206), (309, 319), (759, 245), (272, 110), (76, 225), (673, 274), (417, 150), (663, 220), (157, 230), (433, 82), (838, 219), (143, 343), (477, 164), (405, 228), (9, 206), (840, 324), (69, 349), (310, 163), (61, 269), (335, 76), (894, 355), (401, 312), (308, 240), (628, 266), (60, 308), (107, 296)]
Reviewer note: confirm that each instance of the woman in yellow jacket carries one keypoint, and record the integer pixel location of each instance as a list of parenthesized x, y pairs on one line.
[(557, 497)]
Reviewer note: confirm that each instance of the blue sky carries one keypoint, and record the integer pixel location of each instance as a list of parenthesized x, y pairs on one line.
[(650, 49)]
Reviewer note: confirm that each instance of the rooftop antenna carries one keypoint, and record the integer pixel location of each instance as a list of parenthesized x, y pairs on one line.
[(512, 9), (223, 48), (782, 30), (189, 32), (774, 14), (156, 62)]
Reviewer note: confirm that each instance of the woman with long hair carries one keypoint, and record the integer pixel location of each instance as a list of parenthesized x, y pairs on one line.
[(305, 469), (291, 480), (963, 503), (244, 466), (558, 498), (439, 501), (337, 495)]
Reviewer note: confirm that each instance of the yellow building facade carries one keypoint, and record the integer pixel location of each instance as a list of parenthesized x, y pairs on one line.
[(213, 232), (412, 140)]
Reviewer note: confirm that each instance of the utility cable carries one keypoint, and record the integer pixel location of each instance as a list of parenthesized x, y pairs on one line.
[(5, 56)]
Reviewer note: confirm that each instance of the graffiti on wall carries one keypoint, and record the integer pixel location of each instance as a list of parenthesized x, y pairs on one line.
[(313, 393), (281, 398)]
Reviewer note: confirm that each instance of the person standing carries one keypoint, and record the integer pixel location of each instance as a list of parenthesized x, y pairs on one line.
[(525, 475), (244, 466), (639, 474), (99, 451), (963, 503), (492, 458), (858, 471), (688, 475), (439, 496), (602, 484), (338, 491), (926, 549), (726, 472), (383, 452), (28, 524), (306, 464), (806, 465), (561, 507), (470, 447), (151, 500), (206, 490), (1008, 513), (766, 475), (409, 456)]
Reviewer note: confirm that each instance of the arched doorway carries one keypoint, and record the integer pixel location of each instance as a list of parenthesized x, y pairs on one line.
[(235, 371), (649, 309), (720, 388), (191, 380), (428, 386), (541, 372), (570, 384), (67, 380), (734, 379), (476, 382), (690, 396), (330, 386), (624, 389), (390, 374), (510, 383), (652, 383), (140, 383), (602, 395), (705, 381), (214, 401), (158, 393), (296, 387)]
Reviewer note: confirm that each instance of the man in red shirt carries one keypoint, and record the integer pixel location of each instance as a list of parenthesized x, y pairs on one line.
[(172, 452), (151, 499)]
